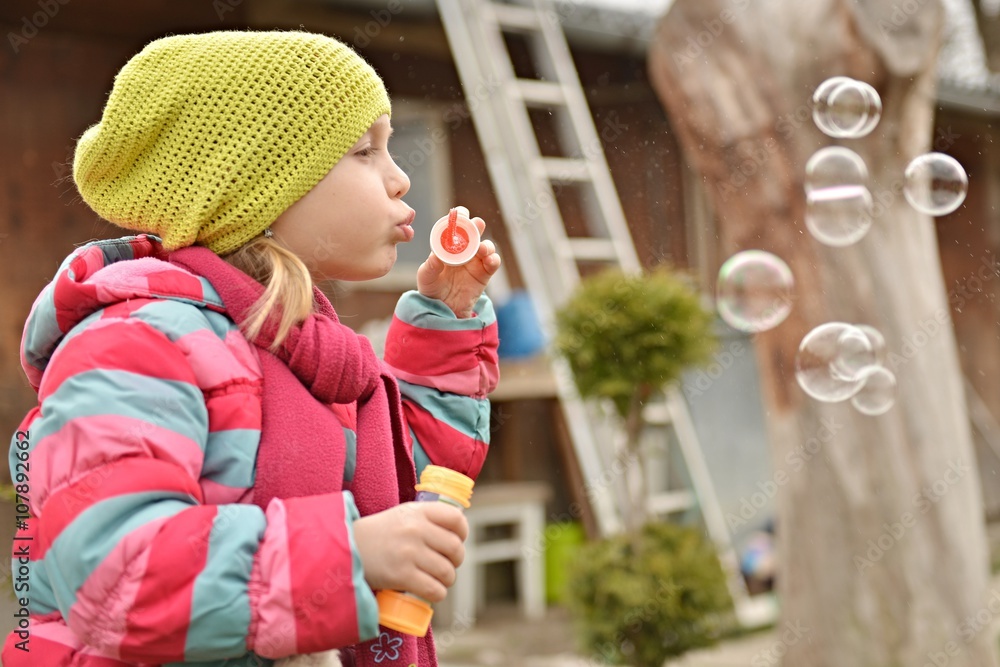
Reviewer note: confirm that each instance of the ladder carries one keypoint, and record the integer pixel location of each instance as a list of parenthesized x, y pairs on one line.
[(528, 185)]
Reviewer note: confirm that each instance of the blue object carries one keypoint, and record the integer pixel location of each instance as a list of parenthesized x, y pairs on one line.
[(518, 327)]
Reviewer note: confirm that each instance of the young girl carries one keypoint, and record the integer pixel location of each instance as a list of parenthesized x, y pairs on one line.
[(218, 471)]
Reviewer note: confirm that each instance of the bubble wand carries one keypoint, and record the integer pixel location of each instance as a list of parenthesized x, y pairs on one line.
[(455, 238)]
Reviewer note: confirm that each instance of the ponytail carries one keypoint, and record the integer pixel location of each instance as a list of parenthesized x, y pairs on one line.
[(288, 286)]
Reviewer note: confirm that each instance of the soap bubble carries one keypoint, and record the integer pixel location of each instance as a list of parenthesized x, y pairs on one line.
[(814, 369), (839, 216), (838, 203), (878, 393), (845, 108), (855, 355), (835, 167), (877, 341), (754, 291), (821, 104), (935, 184), (874, 111)]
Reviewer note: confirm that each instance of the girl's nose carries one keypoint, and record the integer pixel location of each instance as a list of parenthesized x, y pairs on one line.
[(399, 182)]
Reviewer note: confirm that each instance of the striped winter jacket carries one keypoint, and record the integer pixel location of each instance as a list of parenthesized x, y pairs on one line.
[(147, 430)]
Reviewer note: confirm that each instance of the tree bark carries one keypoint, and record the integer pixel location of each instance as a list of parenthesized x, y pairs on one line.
[(880, 520), (989, 30), (635, 477)]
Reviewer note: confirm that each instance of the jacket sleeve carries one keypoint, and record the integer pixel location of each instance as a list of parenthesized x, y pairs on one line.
[(445, 366), (140, 568)]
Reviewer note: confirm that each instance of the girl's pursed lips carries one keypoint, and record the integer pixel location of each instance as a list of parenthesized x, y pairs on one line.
[(409, 218)]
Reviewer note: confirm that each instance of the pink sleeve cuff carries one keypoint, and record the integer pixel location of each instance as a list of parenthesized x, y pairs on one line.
[(429, 346)]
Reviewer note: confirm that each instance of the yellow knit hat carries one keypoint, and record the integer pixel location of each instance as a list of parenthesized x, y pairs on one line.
[(208, 138)]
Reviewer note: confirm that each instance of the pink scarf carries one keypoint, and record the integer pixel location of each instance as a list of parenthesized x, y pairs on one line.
[(329, 361)]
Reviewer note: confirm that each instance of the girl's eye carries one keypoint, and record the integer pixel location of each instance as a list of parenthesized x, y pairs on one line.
[(367, 151)]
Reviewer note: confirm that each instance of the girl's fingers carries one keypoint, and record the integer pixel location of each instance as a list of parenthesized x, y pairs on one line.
[(480, 224), (438, 567), (486, 248), (449, 518), (482, 270), (447, 544), (427, 587), (434, 263)]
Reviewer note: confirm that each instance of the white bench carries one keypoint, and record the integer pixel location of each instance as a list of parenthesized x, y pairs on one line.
[(522, 506)]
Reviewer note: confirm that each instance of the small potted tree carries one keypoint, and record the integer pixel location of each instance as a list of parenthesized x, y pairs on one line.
[(657, 590)]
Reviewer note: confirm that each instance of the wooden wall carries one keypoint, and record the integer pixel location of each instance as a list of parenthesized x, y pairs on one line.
[(969, 241), (54, 80), (53, 86)]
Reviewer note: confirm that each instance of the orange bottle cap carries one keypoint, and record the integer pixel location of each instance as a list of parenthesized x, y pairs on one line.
[(446, 482), (403, 612)]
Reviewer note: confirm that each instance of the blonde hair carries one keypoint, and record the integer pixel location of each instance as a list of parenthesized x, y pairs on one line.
[(288, 287)]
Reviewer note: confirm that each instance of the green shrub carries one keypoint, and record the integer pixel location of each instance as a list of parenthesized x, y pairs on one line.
[(642, 609), (657, 590), (626, 336)]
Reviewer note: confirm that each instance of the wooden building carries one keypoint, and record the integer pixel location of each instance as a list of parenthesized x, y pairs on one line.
[(969, 239), (59, 59), (57, 70)]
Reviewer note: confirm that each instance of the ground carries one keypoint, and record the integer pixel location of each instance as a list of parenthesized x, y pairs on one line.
[(502, 638)]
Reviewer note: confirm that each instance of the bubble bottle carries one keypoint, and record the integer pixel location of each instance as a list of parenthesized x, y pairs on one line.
[(403, 611), (455, 238)]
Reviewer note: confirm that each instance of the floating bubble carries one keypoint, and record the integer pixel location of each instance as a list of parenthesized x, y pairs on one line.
[(877, 341), (814, 364), (855, 355), (845, 108), (835, 167), (821, 104), (935, 184), (839, 216), (878, 392), (874, 111), (754, 291)]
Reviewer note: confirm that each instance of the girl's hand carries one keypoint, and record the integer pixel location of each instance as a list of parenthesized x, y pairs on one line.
[(413, 547), (459, 286)]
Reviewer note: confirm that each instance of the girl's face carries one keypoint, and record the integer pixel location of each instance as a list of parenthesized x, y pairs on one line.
[(348, 225)]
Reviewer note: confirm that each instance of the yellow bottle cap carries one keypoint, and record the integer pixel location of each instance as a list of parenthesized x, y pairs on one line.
[(403, 612), (446, 482)]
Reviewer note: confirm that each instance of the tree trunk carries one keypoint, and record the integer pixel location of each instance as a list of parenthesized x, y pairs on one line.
[(635, 476), (989, 30), (880, 521)]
